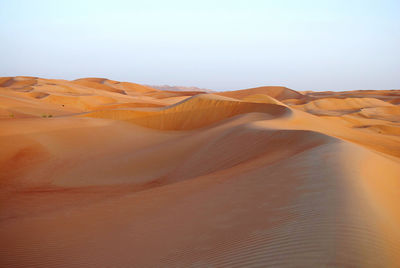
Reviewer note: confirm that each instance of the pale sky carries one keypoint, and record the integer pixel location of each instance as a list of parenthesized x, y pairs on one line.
[(220, 45)]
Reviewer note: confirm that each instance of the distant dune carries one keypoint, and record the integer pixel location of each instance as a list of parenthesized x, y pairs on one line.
[(179, 88), (101, 173)]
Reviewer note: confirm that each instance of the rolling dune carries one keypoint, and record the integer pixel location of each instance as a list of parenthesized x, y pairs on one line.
[(194, 112), (100, 173)]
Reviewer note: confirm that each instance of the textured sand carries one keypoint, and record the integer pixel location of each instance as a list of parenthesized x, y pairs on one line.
[(100, 173)]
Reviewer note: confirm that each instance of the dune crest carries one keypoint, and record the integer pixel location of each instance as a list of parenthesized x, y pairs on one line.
[(194, 112), (277, 92)]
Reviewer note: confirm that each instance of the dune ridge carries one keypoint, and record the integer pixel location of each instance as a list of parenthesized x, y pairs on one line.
[(194, 112), (124, 175)]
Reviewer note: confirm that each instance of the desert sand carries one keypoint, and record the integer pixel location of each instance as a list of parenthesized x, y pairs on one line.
[(100, 173)]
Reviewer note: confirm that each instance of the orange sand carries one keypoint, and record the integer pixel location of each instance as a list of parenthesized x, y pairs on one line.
[(100, 173)]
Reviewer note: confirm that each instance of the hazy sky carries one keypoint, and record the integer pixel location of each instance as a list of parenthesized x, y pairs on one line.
[(303, 44)]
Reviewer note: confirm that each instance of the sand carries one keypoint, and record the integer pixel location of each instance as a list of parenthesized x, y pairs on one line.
[(100, 173)]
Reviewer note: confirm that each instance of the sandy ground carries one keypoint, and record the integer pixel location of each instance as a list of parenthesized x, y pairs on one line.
[(100, 173)]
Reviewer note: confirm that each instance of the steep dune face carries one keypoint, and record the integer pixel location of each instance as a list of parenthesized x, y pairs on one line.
[(279, 93), (195, 112), (183, 179)]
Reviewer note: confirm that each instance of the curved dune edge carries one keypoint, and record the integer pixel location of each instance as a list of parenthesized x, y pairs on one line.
[(195, 112), (261, 212), (276, 92)]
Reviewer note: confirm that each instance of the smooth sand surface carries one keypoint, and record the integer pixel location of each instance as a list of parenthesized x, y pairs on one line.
[(101, 173)]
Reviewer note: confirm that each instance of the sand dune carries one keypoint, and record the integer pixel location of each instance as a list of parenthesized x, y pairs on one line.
[(124, 175), (180, 88), (195, 112), (334, 106), (279, 93)]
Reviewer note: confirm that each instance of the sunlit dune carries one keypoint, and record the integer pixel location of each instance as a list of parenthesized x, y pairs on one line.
[(334, 106), (279, 93), (196, 112), (101, 173)]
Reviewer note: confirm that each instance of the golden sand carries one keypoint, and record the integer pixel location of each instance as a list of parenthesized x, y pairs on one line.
[(100, 173)]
